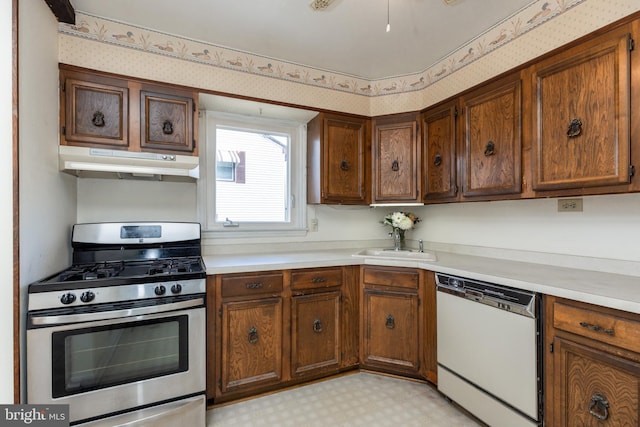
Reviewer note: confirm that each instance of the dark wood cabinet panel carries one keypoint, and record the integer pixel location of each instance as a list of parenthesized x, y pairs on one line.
[(592, 365), (582, 117), (251, 344), (396, 159), (102, 110), (439, 152), (97, 111), (167, 122), (492, 139), (315, 333), (391, 335), (337, 160)]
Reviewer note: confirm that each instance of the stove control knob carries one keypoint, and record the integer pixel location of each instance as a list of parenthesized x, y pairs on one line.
[(87, 296), (176, 289), (160, 290), (67, 298)]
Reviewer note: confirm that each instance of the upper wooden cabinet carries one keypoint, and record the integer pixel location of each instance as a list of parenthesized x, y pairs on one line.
[(439, 152), (396, 159), (338, 150), (104, 111), (492, 139), (582, 116), (96, 110)]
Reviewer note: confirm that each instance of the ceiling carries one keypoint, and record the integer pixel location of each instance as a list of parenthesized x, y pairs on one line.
[(348, 37)]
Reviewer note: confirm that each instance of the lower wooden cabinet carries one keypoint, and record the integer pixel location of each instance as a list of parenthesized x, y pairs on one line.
[(391, 332), (592, 365), (267, 330)]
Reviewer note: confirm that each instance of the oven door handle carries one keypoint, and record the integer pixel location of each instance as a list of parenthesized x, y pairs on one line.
[(114, 314)]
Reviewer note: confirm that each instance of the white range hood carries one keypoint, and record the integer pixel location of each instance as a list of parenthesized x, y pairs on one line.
[(84, 161)]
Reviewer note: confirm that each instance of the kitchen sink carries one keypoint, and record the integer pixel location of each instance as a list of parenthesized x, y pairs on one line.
[(408, 254)]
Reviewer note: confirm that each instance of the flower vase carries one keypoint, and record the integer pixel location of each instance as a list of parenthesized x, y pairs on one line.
[(398, 239)]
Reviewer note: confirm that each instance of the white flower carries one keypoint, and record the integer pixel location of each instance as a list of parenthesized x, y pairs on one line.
[(405, 223), (401, 220)]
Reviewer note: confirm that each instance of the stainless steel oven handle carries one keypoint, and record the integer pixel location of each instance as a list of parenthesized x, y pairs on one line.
[(115, 314)]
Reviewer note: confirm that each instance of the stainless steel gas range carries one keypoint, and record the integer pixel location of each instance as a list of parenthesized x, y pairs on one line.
[(120, 334)]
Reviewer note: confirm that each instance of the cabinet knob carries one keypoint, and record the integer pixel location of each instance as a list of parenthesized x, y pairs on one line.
[(395, 166), (575, 128), (390, 322), (490, 149), (167, 127), (437, 160), (98, 119), (253, 335), (344, 165), (317, 326), (599, 406)]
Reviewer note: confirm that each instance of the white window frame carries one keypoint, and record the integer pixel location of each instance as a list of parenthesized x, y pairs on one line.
[(297, 226)]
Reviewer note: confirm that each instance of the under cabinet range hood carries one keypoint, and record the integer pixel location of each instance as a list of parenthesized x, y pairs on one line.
[(99, 162)]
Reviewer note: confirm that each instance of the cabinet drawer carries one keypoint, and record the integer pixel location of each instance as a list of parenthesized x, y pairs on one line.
[(316, 278), (604, 327), (236, 286), (394, 277)]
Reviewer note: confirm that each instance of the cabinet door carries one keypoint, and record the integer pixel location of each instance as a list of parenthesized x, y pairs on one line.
[(315, 333), (581, 116), (391, 333), (167, 121), (439, 152), (95, 112), (251, 344), (594, 388), (396, 155), (492, 140)]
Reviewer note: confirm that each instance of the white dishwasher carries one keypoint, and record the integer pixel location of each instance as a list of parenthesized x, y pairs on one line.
[(488, 346)]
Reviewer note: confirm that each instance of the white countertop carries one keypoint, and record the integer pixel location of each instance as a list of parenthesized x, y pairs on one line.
[(606, 289)]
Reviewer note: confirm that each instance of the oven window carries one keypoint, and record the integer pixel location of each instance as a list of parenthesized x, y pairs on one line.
[(98, 357)]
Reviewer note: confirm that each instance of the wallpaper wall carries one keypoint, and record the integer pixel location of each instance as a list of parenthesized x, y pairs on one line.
[(124, 48)]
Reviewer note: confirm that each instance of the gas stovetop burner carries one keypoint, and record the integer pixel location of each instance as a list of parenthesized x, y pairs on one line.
[(175, 266), (90, 272)]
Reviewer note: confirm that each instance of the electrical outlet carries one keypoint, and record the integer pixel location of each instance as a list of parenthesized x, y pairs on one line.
[(570, 205), (313, 226)]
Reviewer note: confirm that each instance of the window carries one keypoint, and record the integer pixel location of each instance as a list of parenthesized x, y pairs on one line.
[(252, 177)]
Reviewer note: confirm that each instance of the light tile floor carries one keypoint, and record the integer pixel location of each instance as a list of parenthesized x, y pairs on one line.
[(359, 399)]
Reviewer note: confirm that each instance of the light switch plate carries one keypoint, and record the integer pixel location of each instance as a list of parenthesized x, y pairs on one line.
[(570, 205)]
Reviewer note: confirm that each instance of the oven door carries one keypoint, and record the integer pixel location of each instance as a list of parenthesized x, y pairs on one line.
[(106, 366)]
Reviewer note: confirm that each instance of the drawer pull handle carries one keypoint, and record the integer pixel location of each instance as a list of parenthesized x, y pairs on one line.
[(395, 166), (253, 335), (575, 128), (256, 285), (391, 322), (599, 407), (318, 280), (98, 119), (597, 328), (317, 326)]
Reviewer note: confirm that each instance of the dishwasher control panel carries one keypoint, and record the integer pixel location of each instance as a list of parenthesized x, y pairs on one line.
[(498, 296)]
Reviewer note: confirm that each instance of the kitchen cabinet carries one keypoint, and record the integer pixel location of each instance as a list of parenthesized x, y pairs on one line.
[(439, 152), (338, 153), (101, 110), (491, 139), (250, 332), (396, 159), (316, 321), (268, 330), (392, 324), (592, 365), (581, 115)]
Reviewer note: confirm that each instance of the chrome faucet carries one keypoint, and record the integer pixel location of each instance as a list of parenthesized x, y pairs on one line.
[(420, 246)]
